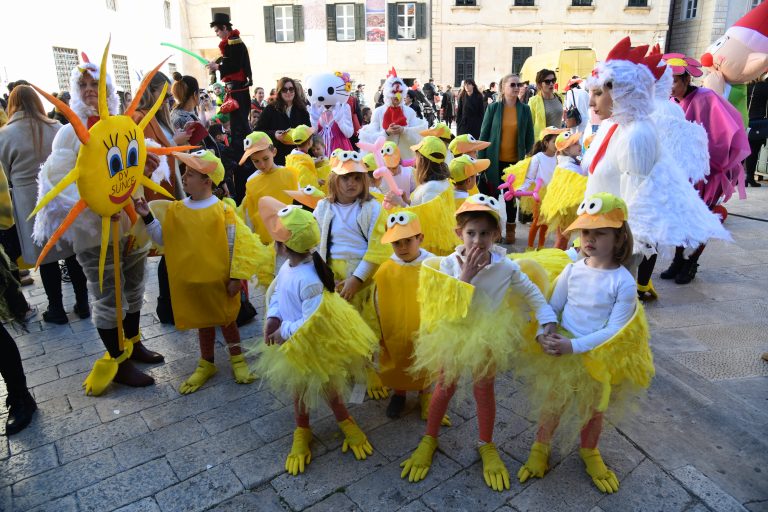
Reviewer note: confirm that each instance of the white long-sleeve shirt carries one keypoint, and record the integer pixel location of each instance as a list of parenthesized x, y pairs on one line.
[(594, 303), (297, 294), (428, 191), (495, 279), (405, 180), (348, 241), (541, 166), (570, 163)]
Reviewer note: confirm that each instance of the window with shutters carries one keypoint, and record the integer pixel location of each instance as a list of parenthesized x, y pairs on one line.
[(689, 9), (581, 3), (466, 3), (345, 22), (65, 60), (637, 3), (465, 65), (284, 23), (524, 3), (122, 75), (519, 56), (406, 20)]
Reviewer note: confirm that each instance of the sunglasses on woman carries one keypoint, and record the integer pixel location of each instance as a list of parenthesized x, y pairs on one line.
[(288, 89), (548, 81), (514, 85)]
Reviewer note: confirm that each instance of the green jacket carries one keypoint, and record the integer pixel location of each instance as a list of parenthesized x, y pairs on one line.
[(491, 132), (536, 104)]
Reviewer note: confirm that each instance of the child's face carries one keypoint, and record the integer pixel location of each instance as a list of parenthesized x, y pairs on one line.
[(598, 243), (318, 149), (264, 160), (351, 187), (480, 232), (551, 148), (573, 150), (467, 184), (408, 249), (195, 184), (367, 118)]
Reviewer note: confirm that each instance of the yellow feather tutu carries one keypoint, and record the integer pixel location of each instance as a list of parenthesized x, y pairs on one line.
[(520, 169), (459, 334), (362, 302), (564, 195), (326, 355), (552, 260), (438, 222)]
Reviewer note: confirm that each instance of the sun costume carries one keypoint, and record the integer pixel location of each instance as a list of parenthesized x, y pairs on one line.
[(611, 360), (326, 343), (271, 183), (96, 166), (472, 330), (206, 245)]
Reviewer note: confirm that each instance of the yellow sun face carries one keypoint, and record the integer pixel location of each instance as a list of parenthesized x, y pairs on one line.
[(110, 165)]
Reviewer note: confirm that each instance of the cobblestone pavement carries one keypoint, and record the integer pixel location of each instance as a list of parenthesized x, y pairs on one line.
[(697, 443)]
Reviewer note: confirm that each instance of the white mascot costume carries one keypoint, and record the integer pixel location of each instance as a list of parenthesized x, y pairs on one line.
[(330, 114)]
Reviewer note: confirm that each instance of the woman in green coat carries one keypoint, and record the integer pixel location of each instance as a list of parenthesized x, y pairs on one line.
[(508, 126)]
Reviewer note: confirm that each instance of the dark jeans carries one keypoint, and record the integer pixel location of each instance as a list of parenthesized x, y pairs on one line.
[(10, 365), (9, 239), (238, 119), (50, 273)]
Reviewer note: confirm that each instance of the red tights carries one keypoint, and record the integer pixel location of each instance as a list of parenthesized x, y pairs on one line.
[(590, 433), (334, 402), (536, 228), (207, 337), (485, 399)]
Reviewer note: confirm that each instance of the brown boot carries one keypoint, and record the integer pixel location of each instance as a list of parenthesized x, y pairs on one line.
[(143, 355), (129, 375), (510, 238)]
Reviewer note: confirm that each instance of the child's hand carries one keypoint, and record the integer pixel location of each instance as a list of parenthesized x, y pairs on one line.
[(151, 164), (557, 345), (550, 328), (270, 326), (141, 206), (276, 338), (349, 287), (233, 287), (394, 199), (476, 260)]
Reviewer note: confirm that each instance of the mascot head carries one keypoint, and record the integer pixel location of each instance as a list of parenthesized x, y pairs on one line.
[(329, 89)]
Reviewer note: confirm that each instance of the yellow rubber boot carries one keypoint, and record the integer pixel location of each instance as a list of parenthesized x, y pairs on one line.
[(603, 478), (494, 470), (537, 464), (417, 465), (240, 368), (104, 371), (647, 292), (300, 455), (424, 399), (200, 376), (355, 439)]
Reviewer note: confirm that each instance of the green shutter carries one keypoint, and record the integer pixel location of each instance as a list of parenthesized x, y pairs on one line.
[(330, 21), (421, 20), (392, 20), (298, 22), (269, 24), (359, 21)]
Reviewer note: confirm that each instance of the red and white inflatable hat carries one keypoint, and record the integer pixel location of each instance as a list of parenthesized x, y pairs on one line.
[(752, 29)]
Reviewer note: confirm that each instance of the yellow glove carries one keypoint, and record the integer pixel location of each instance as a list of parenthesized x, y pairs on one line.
[(494, 471), (538, 462), (418, 464), (104, 371), (376, 389), (240, 368), (200, 376), (603, 478), (355, 438), (424, 400), (300, 455)]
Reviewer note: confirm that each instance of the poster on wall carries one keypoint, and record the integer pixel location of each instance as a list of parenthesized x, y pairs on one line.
[(375, 32)]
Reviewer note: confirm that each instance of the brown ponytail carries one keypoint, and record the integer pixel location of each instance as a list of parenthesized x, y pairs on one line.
[(324, 272)]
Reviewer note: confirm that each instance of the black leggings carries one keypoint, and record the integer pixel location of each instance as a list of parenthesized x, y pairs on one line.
[(645, 269), (50, 273), (10, 365)]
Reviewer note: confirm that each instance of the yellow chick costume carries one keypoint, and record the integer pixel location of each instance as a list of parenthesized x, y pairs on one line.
[(203, 301), (462, 168), (565, 191), (396, 284), (300, 161), (272, 183)]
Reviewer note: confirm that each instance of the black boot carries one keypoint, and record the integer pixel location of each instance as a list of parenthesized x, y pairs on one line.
[(396, 406), (55, 315), (674, 268), (164, 311), (127, 373), (687, 271), (21, 408)]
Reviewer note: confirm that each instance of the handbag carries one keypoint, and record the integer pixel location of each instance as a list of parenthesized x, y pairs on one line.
[(758, 128), (573, 112), (230, 104)]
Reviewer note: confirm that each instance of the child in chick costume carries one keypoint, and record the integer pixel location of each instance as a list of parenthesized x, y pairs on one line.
[(601, 349), (464, 170), (396, 284), (269, 180), (208, 250), (565, 191), (467, 144), (316, 344), (299, 158), (469, 327)]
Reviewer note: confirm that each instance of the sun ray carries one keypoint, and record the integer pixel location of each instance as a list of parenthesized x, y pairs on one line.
[(66, 181), (168, 151), (131, 212), (80, 129), (151, 185), (103, 253), (160, 99), (103, 110), (140, 91), (68, 220)]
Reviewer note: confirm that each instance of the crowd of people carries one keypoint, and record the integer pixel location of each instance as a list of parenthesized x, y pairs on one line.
[(377, 232)]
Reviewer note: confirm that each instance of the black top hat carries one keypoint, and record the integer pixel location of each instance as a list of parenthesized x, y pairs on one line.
[(220, 18)]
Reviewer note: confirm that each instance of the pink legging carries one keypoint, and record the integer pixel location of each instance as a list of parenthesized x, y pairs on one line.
[(334, 402), (590, 433), (485, 399)]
